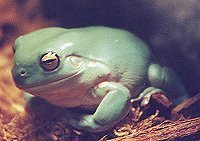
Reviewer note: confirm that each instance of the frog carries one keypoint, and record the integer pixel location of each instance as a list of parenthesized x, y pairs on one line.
[(98, 69)]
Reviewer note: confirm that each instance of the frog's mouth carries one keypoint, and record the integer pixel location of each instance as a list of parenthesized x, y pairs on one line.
[(49, 86)]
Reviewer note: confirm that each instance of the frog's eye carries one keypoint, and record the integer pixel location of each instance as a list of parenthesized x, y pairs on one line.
[(50, 61)]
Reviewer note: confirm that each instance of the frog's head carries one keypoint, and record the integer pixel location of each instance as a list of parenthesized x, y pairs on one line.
[(43, 60)]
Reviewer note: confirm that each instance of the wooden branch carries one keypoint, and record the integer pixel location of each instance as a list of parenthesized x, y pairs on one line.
[(189, 108), (167, 130)]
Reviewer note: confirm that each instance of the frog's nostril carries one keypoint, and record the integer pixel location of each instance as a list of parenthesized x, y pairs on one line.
[(23, 73), (20, 73), (20, 77)]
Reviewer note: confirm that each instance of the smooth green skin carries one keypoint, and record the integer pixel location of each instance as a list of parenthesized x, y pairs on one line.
[(115, 66)]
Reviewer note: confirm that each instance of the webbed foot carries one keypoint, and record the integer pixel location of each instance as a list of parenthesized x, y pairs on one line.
[(146, 94)]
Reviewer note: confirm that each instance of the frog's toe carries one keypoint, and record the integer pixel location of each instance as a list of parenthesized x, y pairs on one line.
[(146, 94)]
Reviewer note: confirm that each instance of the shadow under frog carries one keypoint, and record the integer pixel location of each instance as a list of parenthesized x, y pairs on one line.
[(97, 68)]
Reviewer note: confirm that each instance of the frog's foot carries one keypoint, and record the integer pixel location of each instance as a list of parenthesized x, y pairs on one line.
[(146, 94), (87, 122)]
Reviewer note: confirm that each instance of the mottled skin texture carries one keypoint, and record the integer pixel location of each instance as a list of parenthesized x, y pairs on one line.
[(96, 68)]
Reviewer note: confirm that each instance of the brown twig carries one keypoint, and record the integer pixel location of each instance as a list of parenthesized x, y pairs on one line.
[(167, 130)]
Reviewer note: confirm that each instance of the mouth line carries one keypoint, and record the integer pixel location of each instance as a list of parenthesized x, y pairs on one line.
[(49, 83)]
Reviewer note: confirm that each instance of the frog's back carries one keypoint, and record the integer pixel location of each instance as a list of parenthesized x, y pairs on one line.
[(109, 45), (127, 56)]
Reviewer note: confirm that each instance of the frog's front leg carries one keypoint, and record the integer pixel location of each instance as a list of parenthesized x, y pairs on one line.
[(113, 108), (36, 105)]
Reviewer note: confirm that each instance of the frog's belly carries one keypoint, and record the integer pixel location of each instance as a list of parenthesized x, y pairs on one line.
[(75, 98)]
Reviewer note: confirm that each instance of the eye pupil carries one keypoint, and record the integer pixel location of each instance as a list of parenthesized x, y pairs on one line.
[(50, 61)]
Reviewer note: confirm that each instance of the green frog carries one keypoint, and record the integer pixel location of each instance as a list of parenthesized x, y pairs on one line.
[(98, 69)]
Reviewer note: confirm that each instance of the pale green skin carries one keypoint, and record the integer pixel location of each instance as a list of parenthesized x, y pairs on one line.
[(115, 67)]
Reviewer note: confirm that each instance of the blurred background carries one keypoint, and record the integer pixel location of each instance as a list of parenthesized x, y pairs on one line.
[(171, 28)]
